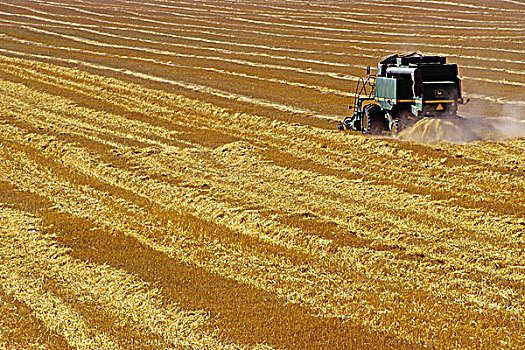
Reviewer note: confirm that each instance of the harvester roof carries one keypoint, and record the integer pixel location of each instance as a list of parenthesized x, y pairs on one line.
[(415, 58)]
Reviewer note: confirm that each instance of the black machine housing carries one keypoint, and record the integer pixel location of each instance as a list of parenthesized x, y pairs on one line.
[(404, 90)]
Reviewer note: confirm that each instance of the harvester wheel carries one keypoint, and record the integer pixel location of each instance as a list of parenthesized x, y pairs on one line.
[(373, 121), (403, 120), (394, 128)]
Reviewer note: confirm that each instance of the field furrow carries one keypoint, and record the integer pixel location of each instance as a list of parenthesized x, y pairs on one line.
[(171, 178), (139, 171)]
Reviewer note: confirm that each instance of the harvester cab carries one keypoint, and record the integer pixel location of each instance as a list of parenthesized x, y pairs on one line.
[(404, 90)]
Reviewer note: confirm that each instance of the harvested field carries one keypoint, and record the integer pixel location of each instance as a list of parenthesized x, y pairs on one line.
[(171, 177)]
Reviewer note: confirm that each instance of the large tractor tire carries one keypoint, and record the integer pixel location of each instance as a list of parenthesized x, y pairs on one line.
[(373, 121)]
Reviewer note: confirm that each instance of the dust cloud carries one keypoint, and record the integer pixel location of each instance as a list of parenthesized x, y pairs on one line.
[(465, 129)]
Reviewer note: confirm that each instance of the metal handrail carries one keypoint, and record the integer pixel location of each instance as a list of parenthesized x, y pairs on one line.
[(362, 89)]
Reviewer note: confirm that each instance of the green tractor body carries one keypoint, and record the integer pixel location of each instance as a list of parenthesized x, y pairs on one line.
[(404, 90)]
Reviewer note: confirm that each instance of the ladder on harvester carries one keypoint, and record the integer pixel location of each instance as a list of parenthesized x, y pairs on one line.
[(364, 91)]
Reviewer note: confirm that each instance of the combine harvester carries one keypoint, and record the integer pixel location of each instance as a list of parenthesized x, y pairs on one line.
[(405, 90)]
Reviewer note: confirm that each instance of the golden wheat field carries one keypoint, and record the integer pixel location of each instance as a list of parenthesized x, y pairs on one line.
[(171, 177)]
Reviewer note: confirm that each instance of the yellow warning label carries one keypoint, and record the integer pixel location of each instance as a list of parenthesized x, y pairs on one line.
[(439, 107)]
